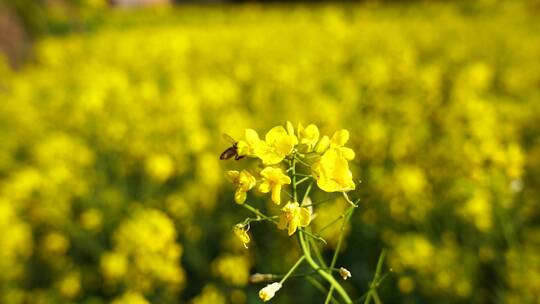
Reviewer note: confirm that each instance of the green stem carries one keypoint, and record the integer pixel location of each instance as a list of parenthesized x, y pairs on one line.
[(295, 192), (318, 253), (321, 202), (292, 269), (368, 298), (349, 200), (320, 287), (335, 221), (328, 277), (303, 274), (308, 190), (346, 219), (260, 219), (301, 162), (316, 237), (379, 265), (376, 298), (303, 180), (261, 216), (374, 283), (305, 246)]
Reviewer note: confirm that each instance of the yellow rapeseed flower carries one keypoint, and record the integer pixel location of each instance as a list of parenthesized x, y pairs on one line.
[(273, 179), (307, 137), (332, 171), (240, 230), (243, 181), (294, 216), (278, 143)]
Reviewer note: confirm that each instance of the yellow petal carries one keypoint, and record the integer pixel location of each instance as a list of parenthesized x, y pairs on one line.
[(290, 128), (310, 135), (264, 187), (322, 145), (348, 153), (275, 175), (246, 181), (275, 134), (240, 196), (292, 227), (340, 138), (284, 179), (300, 129), (332, 172), (304, 217), (267, 172), (243, 148), (285, 145), (276, 194), (268, 154), (251, 136)]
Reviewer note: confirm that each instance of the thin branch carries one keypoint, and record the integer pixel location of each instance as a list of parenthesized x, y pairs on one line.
[(320, 288), (302, 180), (347, 215)]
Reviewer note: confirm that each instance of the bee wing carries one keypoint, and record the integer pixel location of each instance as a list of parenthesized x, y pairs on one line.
[(228, 138)]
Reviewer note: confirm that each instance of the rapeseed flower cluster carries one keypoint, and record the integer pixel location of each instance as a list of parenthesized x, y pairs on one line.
[(325, 159), (330, 168)]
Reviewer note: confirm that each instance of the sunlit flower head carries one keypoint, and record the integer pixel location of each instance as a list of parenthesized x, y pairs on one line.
[(332, 172), (293, 216), (269, 291), (278, 143), (272, 180), (243, 181)]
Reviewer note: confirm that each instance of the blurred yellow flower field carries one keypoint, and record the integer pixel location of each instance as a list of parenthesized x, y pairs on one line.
[(111, 183)]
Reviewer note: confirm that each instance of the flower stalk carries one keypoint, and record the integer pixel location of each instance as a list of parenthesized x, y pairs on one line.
[(306, 248)]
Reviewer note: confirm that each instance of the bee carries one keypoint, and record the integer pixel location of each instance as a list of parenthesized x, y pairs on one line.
[(231, 151)]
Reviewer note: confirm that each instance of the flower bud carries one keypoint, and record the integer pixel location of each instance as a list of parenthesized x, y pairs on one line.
[(344, 273), (260, 278), (269, 291)]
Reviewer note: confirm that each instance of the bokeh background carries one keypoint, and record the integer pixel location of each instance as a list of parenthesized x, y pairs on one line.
[(110, 131)]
